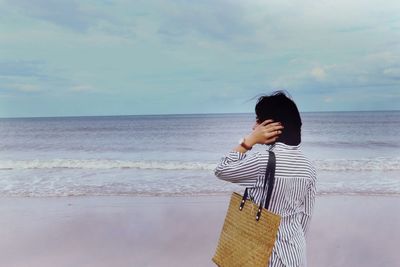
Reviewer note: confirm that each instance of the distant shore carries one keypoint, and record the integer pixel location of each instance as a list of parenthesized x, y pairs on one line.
[(181, 231)]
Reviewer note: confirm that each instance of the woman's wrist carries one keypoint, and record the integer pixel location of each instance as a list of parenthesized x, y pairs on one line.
[(250, 140)]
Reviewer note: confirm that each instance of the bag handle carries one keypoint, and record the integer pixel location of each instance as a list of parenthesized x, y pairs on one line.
[(270, 177)]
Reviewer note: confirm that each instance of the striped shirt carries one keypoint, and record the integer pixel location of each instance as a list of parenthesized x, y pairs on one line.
[(293, 195)]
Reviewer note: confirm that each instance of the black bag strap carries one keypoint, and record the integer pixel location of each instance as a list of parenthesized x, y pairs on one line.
[(270, 178)]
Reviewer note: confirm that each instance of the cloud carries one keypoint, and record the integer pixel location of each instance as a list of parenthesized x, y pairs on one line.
[(82, 88), (26, 88), (94, 21), (30, 76), (392, 73), (221, 20), (212, 49), (328, 99), (318, 73), (74, 15), (62, 13), (22, 68), (15, 88), (374, 70)]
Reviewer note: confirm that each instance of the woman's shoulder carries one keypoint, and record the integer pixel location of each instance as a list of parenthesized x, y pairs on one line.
[(311, 168), (292, 157)]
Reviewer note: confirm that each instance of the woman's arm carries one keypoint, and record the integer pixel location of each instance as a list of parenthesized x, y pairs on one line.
[(237, 167), (265, 133), (308, 205)]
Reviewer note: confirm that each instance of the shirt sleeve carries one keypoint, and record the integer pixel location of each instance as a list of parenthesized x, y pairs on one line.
[(239, 168), (308, 205)]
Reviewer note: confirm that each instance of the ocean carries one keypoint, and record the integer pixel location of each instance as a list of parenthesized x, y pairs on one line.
[(149, 155)]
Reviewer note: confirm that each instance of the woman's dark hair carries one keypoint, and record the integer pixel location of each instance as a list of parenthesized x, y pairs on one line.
[(281, 108)]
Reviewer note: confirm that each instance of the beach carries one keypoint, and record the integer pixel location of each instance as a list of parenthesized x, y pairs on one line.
[(140, 190), (346, 230)]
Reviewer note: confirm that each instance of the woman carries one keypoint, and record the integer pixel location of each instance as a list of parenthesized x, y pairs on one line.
[(278, 124)]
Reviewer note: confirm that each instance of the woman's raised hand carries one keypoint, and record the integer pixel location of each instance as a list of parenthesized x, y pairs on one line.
[(265, 133)]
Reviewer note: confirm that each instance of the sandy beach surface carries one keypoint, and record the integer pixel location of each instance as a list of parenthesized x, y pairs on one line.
[(181, 231)]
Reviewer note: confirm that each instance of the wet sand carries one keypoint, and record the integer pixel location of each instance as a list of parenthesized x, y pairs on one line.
[(181, 231)]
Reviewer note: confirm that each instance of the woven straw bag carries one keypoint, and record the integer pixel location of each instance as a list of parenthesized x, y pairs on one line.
[(249, 231)]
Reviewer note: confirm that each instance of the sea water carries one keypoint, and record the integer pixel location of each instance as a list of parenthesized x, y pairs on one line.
[(353, 152)]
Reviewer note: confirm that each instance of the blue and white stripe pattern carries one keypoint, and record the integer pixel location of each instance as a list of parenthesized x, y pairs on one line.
[(293, 195)]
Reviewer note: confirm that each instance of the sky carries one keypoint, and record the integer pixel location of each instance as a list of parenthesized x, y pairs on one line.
[(103, 57)]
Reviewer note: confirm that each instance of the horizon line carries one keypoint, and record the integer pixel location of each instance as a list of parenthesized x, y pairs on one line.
[(174, 114)]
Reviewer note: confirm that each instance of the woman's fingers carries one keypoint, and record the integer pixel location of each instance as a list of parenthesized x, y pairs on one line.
[(272, 132), (266, 122), (273, 127), (271, 139), (268, 131), (273, 124)]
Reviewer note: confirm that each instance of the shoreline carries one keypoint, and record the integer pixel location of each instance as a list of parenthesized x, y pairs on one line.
[(345, 230), (191, 195)]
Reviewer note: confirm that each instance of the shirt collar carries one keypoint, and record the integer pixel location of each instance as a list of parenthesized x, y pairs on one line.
[(283, 146)]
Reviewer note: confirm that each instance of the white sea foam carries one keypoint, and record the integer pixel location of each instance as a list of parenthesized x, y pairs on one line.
[(377, 164), (102, 164), (62, 181), (370, 164)]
